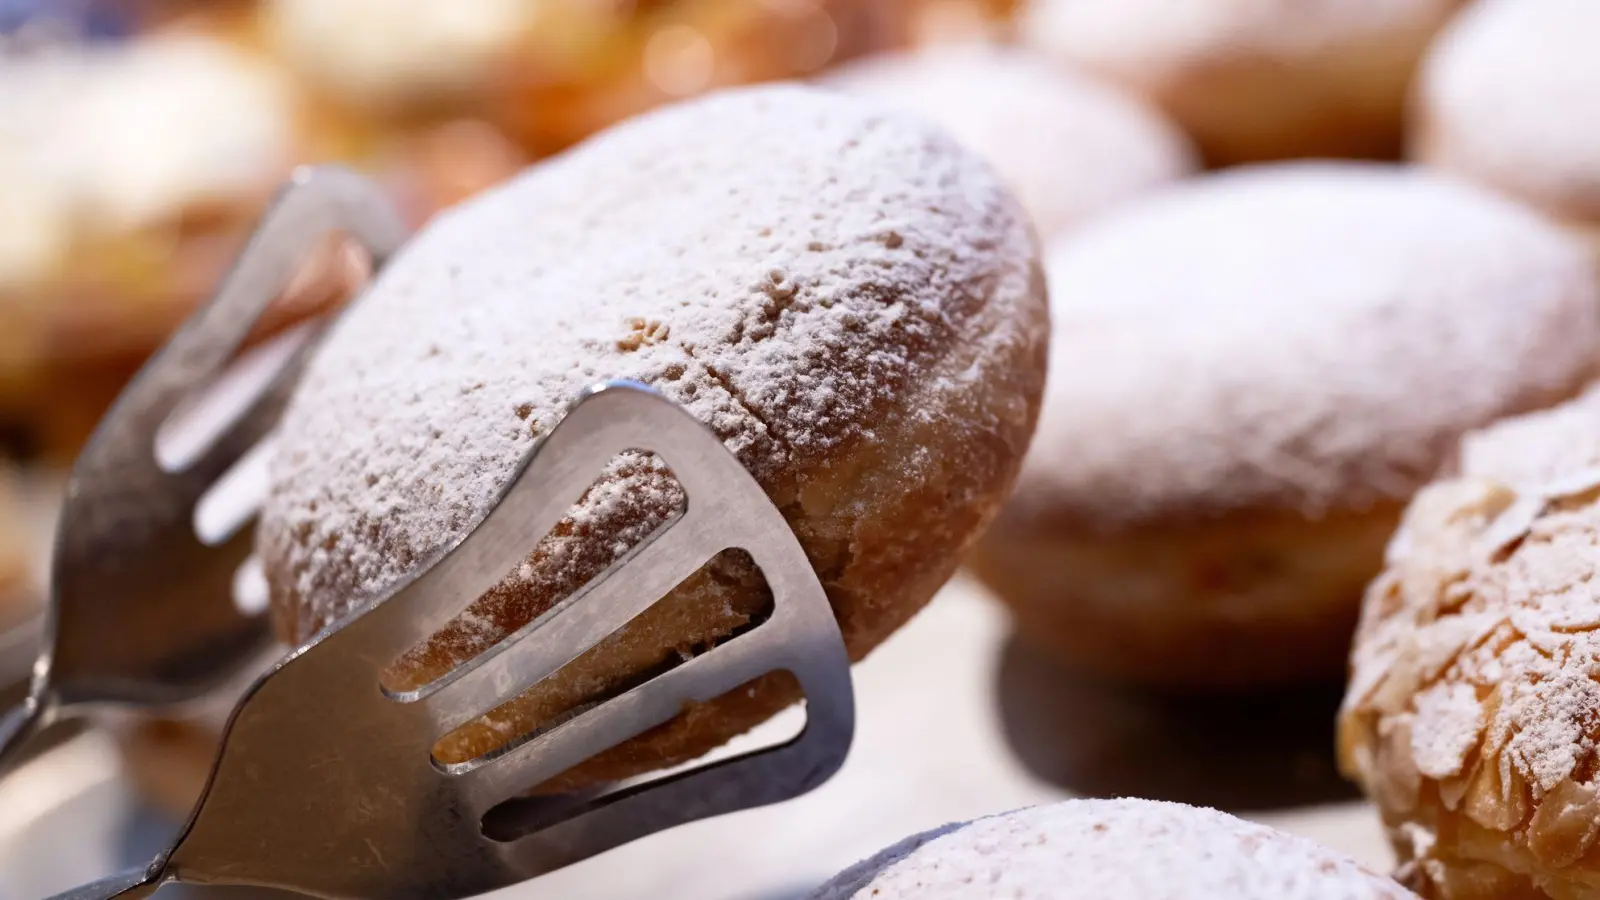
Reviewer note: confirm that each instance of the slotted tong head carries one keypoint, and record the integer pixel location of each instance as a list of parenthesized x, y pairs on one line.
[(326, 782)]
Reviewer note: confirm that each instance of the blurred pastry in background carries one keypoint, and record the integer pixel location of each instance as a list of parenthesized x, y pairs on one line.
[(17, 597), (1255, 80), (1472, 717), (1069, 146), (132, 173), (436, 165), (936, 22), (1251, 373), (1508, 97), (1109, 850), (549, 72)]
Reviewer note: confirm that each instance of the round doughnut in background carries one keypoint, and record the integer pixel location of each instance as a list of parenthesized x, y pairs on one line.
[(1259, 79), (1251, 373), (1472, 717), (1069, 145), (1507, 97), (848, 297), (1109, 850), (550, 73)]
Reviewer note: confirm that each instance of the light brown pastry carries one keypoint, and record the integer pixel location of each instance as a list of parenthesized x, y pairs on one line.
[(1255, 80), (851, 300), (1069, 146), (1505, 98), (1109, 850), (962, 21), (1473, 717), (17, 596), (1251, 373), (549, 73), (132, 175)]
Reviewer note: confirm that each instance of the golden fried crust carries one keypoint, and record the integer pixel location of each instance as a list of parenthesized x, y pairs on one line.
[(1242, 601)]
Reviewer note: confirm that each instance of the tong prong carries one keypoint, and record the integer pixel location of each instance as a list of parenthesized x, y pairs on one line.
[(757, 778), (251, 424), (317, 201), (551, 478), (630, 586), (545, 755), (319, 765)]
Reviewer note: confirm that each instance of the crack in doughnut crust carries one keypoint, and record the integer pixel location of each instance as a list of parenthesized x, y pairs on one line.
[(848, 298), (1473, 713), (1109, 850)]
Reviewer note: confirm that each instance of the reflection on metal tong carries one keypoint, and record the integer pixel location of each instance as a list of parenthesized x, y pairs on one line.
[(326, 783)]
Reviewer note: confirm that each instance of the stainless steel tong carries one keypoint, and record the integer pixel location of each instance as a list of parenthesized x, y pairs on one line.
[(326, 782), (141, 609)]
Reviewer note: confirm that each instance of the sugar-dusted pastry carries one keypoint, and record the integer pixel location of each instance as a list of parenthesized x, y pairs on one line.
[(1473, 714), (1109, 850), (1255, 79), (1070, 147), (1506, 98), (1251, 373), (848, 297)]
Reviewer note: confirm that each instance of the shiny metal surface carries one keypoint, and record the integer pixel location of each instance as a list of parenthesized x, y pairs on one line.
[(19, 647), (326, 783), (141, 610)]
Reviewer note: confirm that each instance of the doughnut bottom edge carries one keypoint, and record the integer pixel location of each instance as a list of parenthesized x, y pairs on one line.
[(1233, 603)]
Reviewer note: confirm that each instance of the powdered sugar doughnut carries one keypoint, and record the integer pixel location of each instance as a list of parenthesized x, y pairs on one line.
[(1473, 717), (850, 299), (1069, 146), (1259, 79), (1506, 98), (1252, 372), (1109, 850)]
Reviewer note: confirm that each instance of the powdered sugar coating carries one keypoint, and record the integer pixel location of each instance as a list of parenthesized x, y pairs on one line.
[(789, 264), (1305, 338), (1109, 850), (1507, 95), (1159, 34), (1068, 145), (1473, 695)]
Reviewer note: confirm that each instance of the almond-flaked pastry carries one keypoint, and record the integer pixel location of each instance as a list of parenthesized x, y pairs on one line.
[(1473, 714)]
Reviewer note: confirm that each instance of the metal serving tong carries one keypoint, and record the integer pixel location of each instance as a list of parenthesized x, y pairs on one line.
[(141, 609), (326, 782)]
